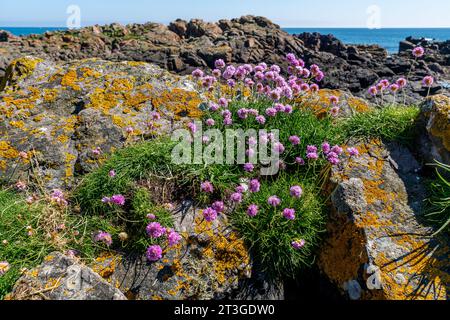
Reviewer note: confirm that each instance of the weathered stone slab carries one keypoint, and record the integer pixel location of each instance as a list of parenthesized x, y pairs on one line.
[(376, 246), (63, 278)]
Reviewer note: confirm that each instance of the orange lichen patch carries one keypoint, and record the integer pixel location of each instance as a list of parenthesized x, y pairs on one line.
[(105, 264), (17, 124), (343, 256), (69, 165), (227, 250), (123, 85), (7, 151), (50, 95), (19, 69), (181, 102), (89, 73), (70, 79), (439, 125), (357, 104)]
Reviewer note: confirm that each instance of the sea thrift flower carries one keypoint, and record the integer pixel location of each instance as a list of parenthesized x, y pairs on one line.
[(57, 196), (250, 152), (156, 115), (428, 81), (231, 83), (401, 82), (207, 187), (279, 107), (21, 186), (252, 210), (23, 155), (192, 126), (205, 139), (261, 119), (334, 100), (155, 230), (294, 140), (338, 150), (223, 102), (394, 88), (271, 112), (112, 173), (314, 88), (197, 73), (210, 214), (103, 237), (255, 185), (97, 151), (129, 130), (326, 148), (278, 147), (151, 216), (118, 199), (353, 152), (219, 64), (300, 161), (242, 113), (296, 191), (333, 158), (418, 52), (373, 91), (311, 149), (236, 197), (173, 238), (217, 73), (252, 141), (312, 156), (288, 109), (227, 121), (249, 167), (213, 107), (275, 94), (384, 83), (4, 267), (210, 122), (335, 111), (289, 214), (298, 244), (154, 253), (274, 201), (218, 206)]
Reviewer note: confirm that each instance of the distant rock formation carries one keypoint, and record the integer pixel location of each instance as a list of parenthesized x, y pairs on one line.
[(182, 46)]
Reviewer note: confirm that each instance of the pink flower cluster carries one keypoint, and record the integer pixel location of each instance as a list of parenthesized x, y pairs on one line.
[(265, 80), (117, 199), (103, 237)]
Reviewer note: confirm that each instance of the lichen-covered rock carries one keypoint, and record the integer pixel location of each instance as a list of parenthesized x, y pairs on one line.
[(60, 277), (320, 103), (209, 263), (376, 247), (436, 111), (67, 116)]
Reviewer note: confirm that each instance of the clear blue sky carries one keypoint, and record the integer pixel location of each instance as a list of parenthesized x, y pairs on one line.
[(287, 13)]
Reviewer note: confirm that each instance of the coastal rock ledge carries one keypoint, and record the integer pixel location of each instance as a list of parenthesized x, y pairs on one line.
[(377, 247)]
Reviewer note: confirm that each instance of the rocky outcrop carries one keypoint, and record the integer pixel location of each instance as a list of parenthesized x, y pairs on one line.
[(209, 263), (376, 247), (182, 46), (64, 118), (435, 145), (60, 277), (357, 67)]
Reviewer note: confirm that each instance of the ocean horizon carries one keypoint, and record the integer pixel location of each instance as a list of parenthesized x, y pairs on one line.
[(388, 38)]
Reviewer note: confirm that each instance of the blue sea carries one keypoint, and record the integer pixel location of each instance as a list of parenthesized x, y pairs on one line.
[(387, 38)]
